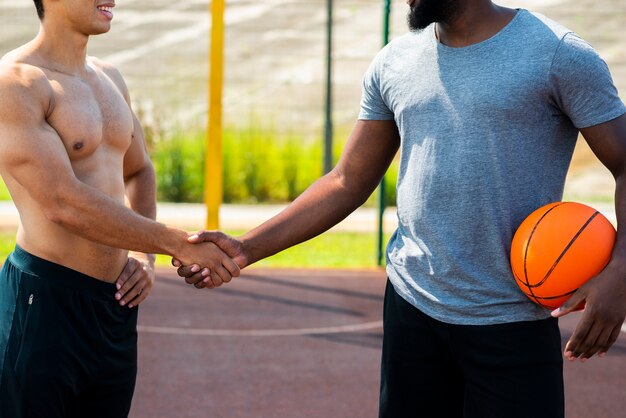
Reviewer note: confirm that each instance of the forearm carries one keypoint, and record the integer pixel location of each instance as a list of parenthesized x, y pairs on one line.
[(95, 216), (364, 161), (324, 204)]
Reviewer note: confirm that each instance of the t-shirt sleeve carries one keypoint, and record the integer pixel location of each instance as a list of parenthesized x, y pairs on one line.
[(373, 106), (581, 84)]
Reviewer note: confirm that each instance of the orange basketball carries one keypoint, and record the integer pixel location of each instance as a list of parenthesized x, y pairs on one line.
[(559, 247)]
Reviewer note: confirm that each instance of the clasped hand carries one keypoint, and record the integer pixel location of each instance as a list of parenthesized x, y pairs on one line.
[(212, 259)]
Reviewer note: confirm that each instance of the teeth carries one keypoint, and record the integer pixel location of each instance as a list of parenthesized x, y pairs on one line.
[(105, 8)]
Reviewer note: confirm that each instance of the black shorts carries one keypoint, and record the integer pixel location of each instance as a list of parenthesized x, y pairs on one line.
[(432, 369), (67, 349)]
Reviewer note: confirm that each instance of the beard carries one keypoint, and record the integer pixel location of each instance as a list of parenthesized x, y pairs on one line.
[(430, 11)]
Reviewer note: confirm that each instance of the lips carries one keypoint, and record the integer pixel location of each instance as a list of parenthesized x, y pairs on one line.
[(107, 10)]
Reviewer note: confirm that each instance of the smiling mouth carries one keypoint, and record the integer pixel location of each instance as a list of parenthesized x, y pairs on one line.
[(107, 9)]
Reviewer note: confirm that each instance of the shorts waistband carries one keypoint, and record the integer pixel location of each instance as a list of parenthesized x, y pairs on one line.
[(60, 275)]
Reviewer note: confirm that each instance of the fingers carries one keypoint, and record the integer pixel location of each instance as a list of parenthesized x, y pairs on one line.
[(207, 278), (220, 276), (587, 346), (188, 271), (134, 284), (129, 269), (203, 236), (137, 294), (130, 289), (613, 336), (570, 305), (590, 337), (232, 267), (197, 276), (573, 347)]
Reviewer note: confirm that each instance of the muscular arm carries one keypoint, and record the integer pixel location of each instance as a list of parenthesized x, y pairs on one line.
[(32, 156), (605, 295), (365, 159)]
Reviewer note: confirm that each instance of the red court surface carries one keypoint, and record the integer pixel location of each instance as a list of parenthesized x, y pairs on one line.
[(297, 343)]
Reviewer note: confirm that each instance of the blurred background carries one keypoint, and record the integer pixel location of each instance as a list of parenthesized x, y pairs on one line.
[(274, 86)]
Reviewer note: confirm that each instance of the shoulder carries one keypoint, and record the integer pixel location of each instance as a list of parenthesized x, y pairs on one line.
[(23, 87), (544, 25), (410, 41), (407, 47), (555, 37), (111, 72)]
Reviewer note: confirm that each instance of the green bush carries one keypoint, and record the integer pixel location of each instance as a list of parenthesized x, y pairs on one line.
[(259, 166), (179, 165), (4, 193)]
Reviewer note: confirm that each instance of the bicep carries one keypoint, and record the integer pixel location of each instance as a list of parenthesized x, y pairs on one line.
[(31, 152), (369, 152), (608, 142)]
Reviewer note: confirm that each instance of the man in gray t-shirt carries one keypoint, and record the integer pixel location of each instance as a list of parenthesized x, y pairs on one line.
[(485, 104), (487, 133)]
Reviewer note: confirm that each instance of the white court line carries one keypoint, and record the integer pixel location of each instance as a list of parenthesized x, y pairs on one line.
[(260, 332)]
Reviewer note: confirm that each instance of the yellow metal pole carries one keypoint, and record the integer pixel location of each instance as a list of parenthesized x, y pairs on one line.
[(213, 175)]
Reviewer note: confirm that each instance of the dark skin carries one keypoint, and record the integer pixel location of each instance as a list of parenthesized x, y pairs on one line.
[(368, 153)]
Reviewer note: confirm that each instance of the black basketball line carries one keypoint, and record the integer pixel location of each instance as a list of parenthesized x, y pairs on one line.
[(527, 282), (574, 238), (532, 296), (557, 296)]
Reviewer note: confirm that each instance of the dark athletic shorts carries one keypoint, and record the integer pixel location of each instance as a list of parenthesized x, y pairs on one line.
[(432, 369), (67, 349)]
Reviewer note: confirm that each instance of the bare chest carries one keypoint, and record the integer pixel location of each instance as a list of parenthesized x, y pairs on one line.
[(91, 117)]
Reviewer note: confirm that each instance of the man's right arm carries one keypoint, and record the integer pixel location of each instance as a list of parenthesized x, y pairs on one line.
[(364, 161), (33, 155)]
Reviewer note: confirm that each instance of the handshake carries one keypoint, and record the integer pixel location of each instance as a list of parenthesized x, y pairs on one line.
[(211, 259)]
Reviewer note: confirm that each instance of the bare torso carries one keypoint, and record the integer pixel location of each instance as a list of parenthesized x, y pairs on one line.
[(95, 125)]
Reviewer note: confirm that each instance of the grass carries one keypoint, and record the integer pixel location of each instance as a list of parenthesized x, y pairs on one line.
[(331, 250)]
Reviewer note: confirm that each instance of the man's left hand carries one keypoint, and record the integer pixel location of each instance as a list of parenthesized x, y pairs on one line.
[(605, 309), (135, 282)]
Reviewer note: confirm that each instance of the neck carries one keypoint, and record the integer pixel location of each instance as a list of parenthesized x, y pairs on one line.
[(477, 21), (61, 49)]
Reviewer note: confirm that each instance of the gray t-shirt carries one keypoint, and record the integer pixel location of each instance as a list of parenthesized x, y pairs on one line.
[(487, 135)]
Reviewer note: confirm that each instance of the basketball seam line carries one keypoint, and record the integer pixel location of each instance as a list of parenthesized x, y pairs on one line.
[(574, 238), (527, 282)]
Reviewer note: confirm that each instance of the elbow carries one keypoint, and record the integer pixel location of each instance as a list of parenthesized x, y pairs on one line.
[(59, 213), (357, 189), (55, 214)]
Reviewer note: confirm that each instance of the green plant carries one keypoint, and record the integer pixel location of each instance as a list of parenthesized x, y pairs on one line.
[(178, 159), (259, 165), (4, 193)]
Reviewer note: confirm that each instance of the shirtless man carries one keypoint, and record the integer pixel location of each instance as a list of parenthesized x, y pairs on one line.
[(71, 151)]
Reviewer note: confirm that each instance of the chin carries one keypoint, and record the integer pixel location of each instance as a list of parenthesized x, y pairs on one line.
[(100, 30)]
